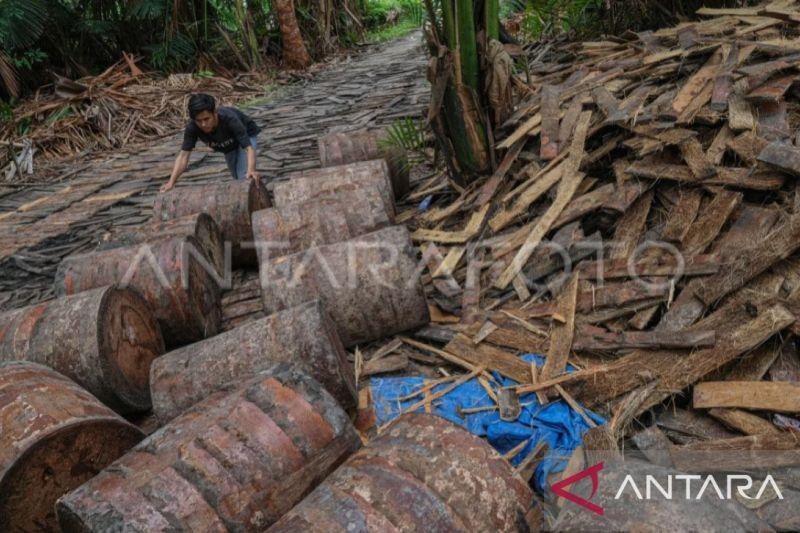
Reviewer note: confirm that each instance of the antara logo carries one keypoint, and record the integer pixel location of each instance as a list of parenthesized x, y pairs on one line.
[(741, 482), (665, 485)]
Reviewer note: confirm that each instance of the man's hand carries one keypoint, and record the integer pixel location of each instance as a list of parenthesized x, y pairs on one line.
[(251, 174), (167, 186)]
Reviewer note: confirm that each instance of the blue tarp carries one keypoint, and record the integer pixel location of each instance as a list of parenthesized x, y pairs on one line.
[(556, 423)]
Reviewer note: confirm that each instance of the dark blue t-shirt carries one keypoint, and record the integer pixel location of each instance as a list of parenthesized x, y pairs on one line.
[(233, 131)]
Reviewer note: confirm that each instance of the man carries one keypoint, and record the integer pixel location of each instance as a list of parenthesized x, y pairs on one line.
[(225, 130)]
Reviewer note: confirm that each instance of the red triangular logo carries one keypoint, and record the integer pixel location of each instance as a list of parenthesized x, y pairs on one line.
[(593, 472)]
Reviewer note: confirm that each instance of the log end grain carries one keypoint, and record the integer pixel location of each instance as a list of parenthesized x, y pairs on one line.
[(129, 340), (55, 437)]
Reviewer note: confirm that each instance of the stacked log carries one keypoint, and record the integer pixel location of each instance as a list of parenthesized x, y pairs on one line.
[(325, 182), (303, 335), (230, 203), (236, 462), (369, 285), (201, 226), (172, 275), (104, 339), (293, 228), (364, 145), (421, 474), (54, 436)]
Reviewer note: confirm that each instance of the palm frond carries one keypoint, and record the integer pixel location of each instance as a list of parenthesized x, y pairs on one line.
[(22, 22), (8, 74)]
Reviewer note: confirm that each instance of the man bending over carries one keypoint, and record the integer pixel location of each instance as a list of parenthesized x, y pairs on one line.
[(225, 130)]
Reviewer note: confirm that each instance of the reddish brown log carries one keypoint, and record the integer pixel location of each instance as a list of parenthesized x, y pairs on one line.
[(303, 335), (103, 339), (187, 312), (293, 228), (55, 436), (236, 462), (201, 226), (325, 182), (362, 145), (369, 285), (230, 203), (421, 474)]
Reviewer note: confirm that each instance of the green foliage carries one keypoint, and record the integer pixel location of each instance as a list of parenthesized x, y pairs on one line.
[(28, 59), (545, 18), (22, 23), (406, 133)]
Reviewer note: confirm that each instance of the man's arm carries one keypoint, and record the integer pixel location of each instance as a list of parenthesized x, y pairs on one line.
[(181, 162), (251, 163)]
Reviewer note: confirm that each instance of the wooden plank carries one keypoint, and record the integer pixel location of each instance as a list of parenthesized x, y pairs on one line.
[(489, 357), (772, 90), (682, 215), (695, 88), (751, 223), (737, 177), (766, 68), (773, 121), (695, 158), (723, 83), (569, 184), (716, 151), (562, 333), (752, 260), (747, 146), (609, 197), (591, 338), (631, 226), (710, 222), (569, 121), (693, 424), (748, 453), (605, 102), (675, 370), (488, 190), (471, 230), (550, 115), (658, 266), (538, 188), (744, 422), (783, 156), (782, 397), (740, 113), (533, 122), (609, 295)]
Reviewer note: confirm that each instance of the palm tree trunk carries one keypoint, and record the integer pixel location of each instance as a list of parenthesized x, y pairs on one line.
[(295, 53)]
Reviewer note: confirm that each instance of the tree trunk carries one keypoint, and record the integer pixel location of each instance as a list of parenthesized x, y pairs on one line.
[(294, 49)]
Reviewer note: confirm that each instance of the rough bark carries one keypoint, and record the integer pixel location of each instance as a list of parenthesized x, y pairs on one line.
[(55, 436), (103, 339), (186, 311), (405, 476), (303, 335), (369, 285), (236, 462)]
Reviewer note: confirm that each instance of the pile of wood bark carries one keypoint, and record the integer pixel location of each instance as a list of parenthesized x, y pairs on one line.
[(642, 225), (119, 107)]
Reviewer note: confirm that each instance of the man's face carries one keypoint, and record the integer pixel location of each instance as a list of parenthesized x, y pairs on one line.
[(206, 121)]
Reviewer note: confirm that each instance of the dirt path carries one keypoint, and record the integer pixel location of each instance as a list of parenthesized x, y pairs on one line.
[(40, 225)]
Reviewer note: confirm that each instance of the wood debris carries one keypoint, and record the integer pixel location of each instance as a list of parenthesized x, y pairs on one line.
[(642, 233)]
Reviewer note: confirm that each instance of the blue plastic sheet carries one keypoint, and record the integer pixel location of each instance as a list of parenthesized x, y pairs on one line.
[(556, 423)]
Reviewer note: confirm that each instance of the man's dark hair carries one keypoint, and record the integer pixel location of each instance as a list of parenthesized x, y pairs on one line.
[(201, 102)]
